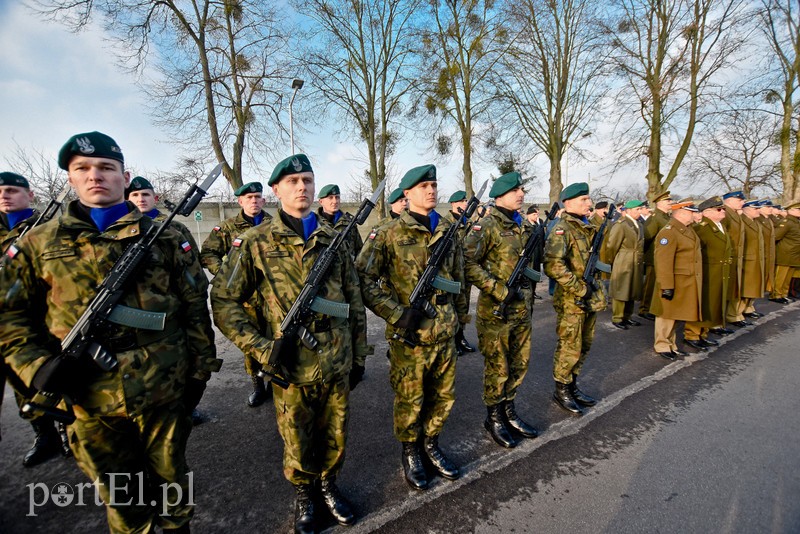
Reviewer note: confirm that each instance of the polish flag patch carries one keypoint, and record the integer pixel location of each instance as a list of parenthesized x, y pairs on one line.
[(559, 232), (476, 228), (216, 229), (237, 242), (11, 252), (372, 234), (186, 246)]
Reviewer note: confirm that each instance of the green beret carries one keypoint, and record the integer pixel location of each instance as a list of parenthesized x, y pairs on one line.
[(328, 190), (425, 173), (713, 202), (458, 196), (252, 187), (90, 144), (12, 178), (633, 204), (504, 184), (396, 195), (574, 190), (291, 165), (138, 184)]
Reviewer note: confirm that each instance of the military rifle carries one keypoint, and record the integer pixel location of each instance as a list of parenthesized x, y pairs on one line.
[(594, 264), (430, 280), (309, 302), (48, 213), (81, 341), (515, 281)]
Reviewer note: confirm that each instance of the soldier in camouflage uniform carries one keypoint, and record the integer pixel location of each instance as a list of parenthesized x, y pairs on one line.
[(422, 377), (215, 250), (273, 261), (15, 216), (565, 256), (491, 251), (329, 201), (131, 422), (458, 203)]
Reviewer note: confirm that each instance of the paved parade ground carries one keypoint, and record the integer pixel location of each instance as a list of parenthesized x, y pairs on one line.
[(708, 443)]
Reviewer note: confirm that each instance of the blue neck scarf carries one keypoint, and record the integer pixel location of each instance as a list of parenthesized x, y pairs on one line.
[(105, 217), (153, 213), (434, 217), (337, 216), (309, 225), (16, 217), (258, 218), (517, 218)]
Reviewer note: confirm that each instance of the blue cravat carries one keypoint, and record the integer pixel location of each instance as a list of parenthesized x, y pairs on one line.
[(517, 218), (16, 217), (258, 218), (434, 217), (153, 213), (309, 225), (105, 217)]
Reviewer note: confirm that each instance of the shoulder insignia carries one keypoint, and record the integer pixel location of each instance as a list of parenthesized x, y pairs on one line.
[(216, 229), (372, 234), (668, 227), (186, 246), (476, 228), (663, 241), (237, 242), (560, 231)]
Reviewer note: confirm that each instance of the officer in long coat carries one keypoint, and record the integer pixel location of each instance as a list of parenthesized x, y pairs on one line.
[(754, 258), (624, 250), (787, 255), (679, 278), (423, 375), (491, 251), (718, 260), (734, 200), (658, 219), (768, 228), (274, 260)]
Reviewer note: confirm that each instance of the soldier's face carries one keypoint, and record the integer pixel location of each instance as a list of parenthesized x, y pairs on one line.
[(714, 214), (14, 198), (144, 199), (458, 207), (579, 206), (697, 216), (664, 205), (422, 197), (750, 212), (734, 203), (296, 193), (98, 182), (251, 203), (330, 204), (512, 200), (399, 205)]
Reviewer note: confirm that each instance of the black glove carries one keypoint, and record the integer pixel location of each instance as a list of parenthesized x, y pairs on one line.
[(60, 375), (667, 294), (356, 375), (410, 319), (192, 393)]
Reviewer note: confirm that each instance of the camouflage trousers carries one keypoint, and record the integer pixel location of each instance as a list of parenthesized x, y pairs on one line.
[(142, 460), (251, 365), (312, 421), (423, 380), (506, 348), (575, 331)]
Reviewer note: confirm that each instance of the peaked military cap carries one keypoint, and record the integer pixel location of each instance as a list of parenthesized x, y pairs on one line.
[(504, 184), (90, 144), (252, 187), (138, 184), (424, 173), (603, 204), (663, 196), (574, 190), (633, 204), (686, 204), (713, 202), (733, 194), (12, 178), (752, 203), (396, 195), (793, 206), (328, 190), (291, 165), (458, 196), (532, 209)]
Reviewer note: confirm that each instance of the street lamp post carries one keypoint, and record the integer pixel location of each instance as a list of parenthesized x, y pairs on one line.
[(296, 85)]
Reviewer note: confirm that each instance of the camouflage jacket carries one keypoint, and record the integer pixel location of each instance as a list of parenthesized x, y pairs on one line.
[(273, 262), (180, 227), (390, 265), (50, 281), (219, 241), (354, 243), (491, 250), (7, 236), (565, 255)]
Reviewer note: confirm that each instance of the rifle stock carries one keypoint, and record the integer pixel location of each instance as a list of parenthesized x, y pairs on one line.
[(594, 260)]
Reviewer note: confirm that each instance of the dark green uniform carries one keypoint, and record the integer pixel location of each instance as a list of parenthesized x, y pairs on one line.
[(652, 226), (565, 256), (132, 419), (273, 262)]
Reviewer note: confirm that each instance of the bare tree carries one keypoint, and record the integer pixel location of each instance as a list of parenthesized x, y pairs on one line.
[(45, 178), (219, 63), (554, 76), (358, 56), (461, 53), (668, 53), (780, 22)]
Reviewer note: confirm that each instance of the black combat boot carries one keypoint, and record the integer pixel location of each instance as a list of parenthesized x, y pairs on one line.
[(46, 444), (259, 394), (440, 462), (514, 421), (563, 397), (66, 452), (462, 345), (496, 426), (412, 466), (579, 396), (338, 506), (304, 509)]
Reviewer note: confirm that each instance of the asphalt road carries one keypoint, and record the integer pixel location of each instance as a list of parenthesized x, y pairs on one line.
[(708, 443)]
